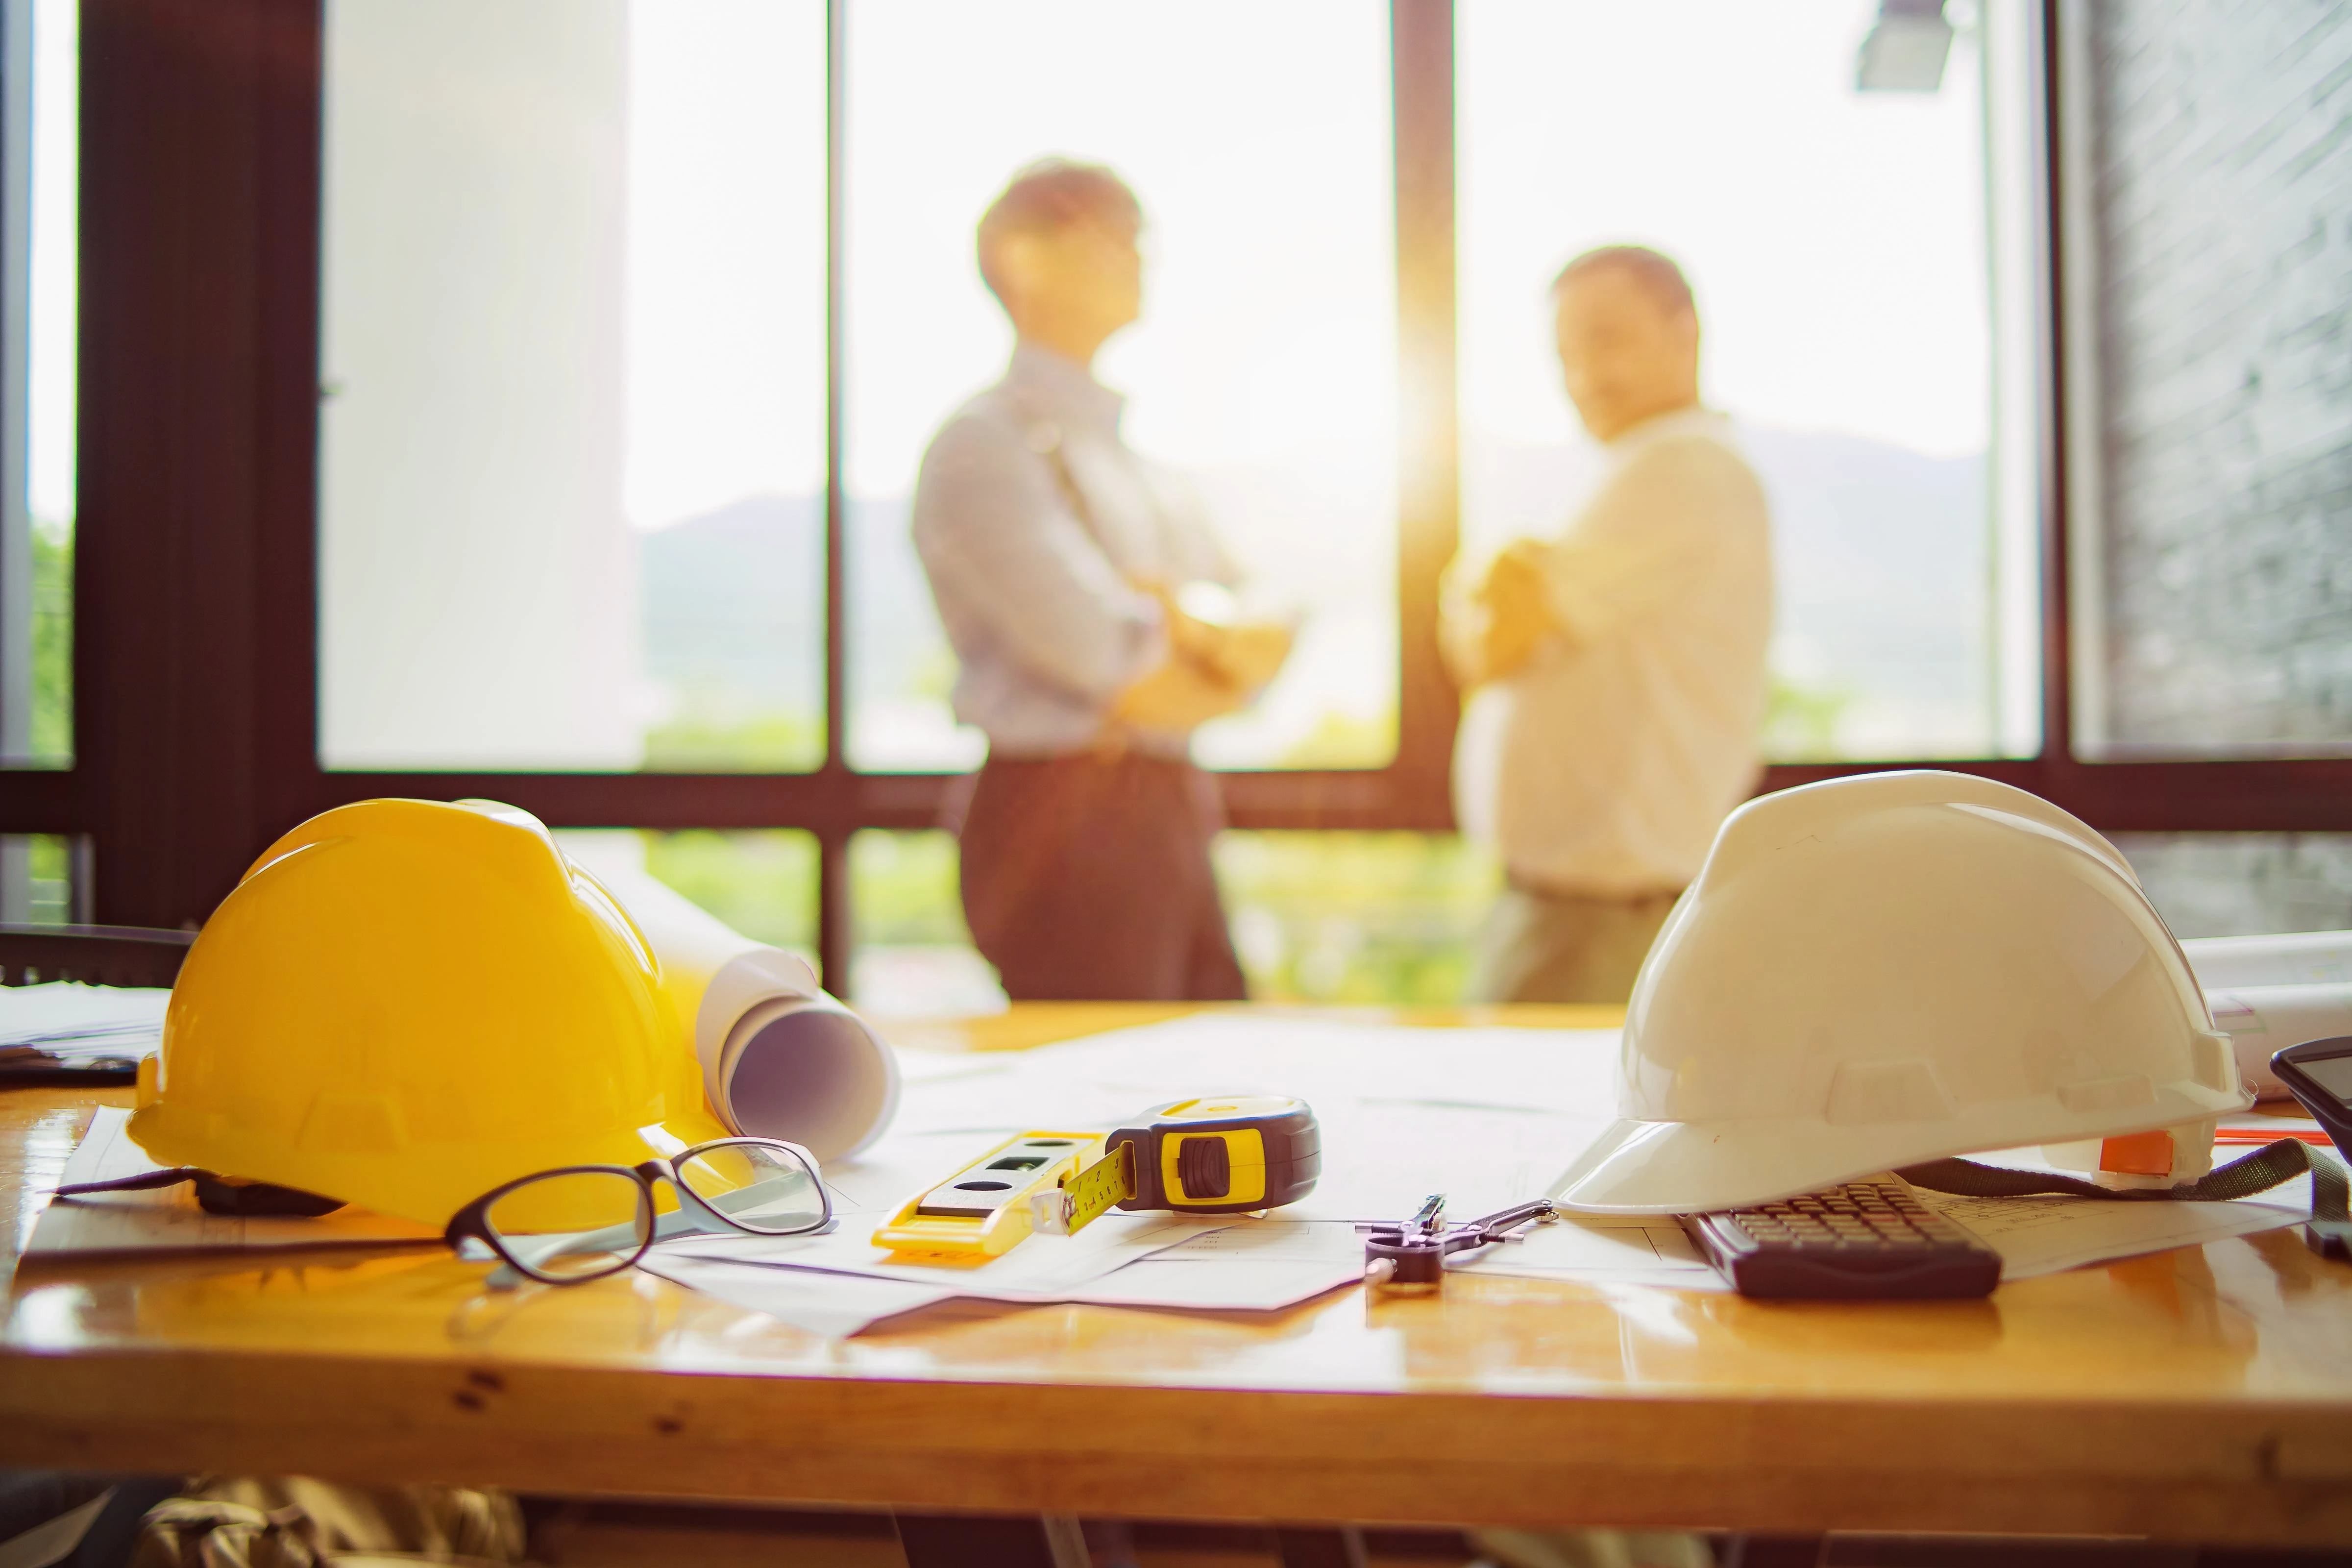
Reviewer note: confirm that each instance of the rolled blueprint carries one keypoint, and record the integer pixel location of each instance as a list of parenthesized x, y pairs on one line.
[(2263, 1020), (779, 1057), (2297, 958), (2268, 993)]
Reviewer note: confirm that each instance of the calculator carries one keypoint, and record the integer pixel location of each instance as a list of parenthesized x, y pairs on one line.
[(1868, 1240)]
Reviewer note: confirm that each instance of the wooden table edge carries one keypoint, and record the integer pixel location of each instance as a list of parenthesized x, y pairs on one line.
[(2256, 1471)]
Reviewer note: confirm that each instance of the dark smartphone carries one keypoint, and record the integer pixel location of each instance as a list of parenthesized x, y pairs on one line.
[(2319, 1074)]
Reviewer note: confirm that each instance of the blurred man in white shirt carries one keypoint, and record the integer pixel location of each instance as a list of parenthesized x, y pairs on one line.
[(1619, 669)]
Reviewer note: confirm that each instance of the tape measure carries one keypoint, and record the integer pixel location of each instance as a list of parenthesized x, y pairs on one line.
[(1234, 1154)]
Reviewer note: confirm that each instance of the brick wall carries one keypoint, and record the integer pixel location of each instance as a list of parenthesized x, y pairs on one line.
[(2222, 194)]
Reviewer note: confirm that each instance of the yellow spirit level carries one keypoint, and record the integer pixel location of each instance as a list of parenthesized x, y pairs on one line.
[(983, 1210), (1234, 1154)]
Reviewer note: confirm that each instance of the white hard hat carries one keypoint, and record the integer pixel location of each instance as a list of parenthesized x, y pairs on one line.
[(1876, 970)]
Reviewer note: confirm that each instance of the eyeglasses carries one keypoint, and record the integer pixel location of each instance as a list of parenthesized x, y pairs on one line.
[(578, 1223)]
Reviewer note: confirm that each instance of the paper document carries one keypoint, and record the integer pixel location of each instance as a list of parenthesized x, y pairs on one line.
[(2034, 1235), (1567, 1071), (1253, 1265), (1488, 1117), (834, 1305), (167, 1220), (2045, 1234), (1614, 1250), (1256, 1266), (1041, 1269), (66, 1024)]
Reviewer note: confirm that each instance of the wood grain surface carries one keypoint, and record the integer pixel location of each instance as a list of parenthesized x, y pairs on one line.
[(2203, 1393)]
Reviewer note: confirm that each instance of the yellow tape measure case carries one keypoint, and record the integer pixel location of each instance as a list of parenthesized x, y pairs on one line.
[(1227, 1154)]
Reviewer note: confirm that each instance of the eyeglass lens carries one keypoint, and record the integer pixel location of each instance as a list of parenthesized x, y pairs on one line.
[(760, 1186), (540, 1225)]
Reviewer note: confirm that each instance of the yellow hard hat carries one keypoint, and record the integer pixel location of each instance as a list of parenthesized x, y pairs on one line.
[(406, 1003)]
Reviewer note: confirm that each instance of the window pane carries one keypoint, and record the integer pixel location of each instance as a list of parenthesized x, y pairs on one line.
[(572, 461), (36, 879), (763, 883), (1837, 241), (2211, 431), (1264, 368), (2244, 884), (1386, 919), (914, 956), (40, 143)]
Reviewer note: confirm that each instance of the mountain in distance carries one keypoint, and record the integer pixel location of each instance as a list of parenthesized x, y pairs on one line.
[(733, 606), (1882, 558)]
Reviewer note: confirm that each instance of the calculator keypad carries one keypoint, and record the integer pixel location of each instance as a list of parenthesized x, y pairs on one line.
[(1865, 1240), (1858, 1214)]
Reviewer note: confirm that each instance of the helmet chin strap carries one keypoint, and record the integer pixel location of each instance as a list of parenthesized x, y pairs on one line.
[(2329, 1233), (214, 1195)]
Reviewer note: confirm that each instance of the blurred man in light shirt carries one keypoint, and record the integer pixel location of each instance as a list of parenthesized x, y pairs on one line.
[(1060, 561), (1619, 669)]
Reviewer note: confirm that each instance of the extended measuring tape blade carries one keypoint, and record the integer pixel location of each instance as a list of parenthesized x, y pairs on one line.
[(1089, 1194)]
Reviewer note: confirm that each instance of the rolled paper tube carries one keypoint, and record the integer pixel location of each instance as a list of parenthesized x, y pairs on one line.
[(2263, 1020), (2268, 993), (779, 1057), (2291, 958)]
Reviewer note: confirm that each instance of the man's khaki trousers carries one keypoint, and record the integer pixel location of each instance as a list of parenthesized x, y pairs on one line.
[(1542, 946)]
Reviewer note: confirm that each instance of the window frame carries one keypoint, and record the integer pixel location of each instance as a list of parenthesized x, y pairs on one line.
[(196, 656)]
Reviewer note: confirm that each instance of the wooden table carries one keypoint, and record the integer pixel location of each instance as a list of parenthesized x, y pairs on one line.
[(2199, 1395)]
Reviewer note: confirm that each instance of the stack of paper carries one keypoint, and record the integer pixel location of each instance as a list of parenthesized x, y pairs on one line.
[(66, 1024)]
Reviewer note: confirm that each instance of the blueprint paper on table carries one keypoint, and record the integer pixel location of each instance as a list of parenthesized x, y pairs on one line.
[(2046, 1235), (2034, 1235), (1489, 1116), (1250, 1267), (1599, 1249), (1041, 1269), (1564, 1072), (167, 1220), (834, 1305), (66, 1023)]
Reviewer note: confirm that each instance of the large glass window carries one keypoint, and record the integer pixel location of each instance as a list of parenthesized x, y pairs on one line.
[(2209, 450), (1845, 245), (572, 440), (1378, 918), (915, 955), (763, 883), (1264, 370), (40, 148)]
